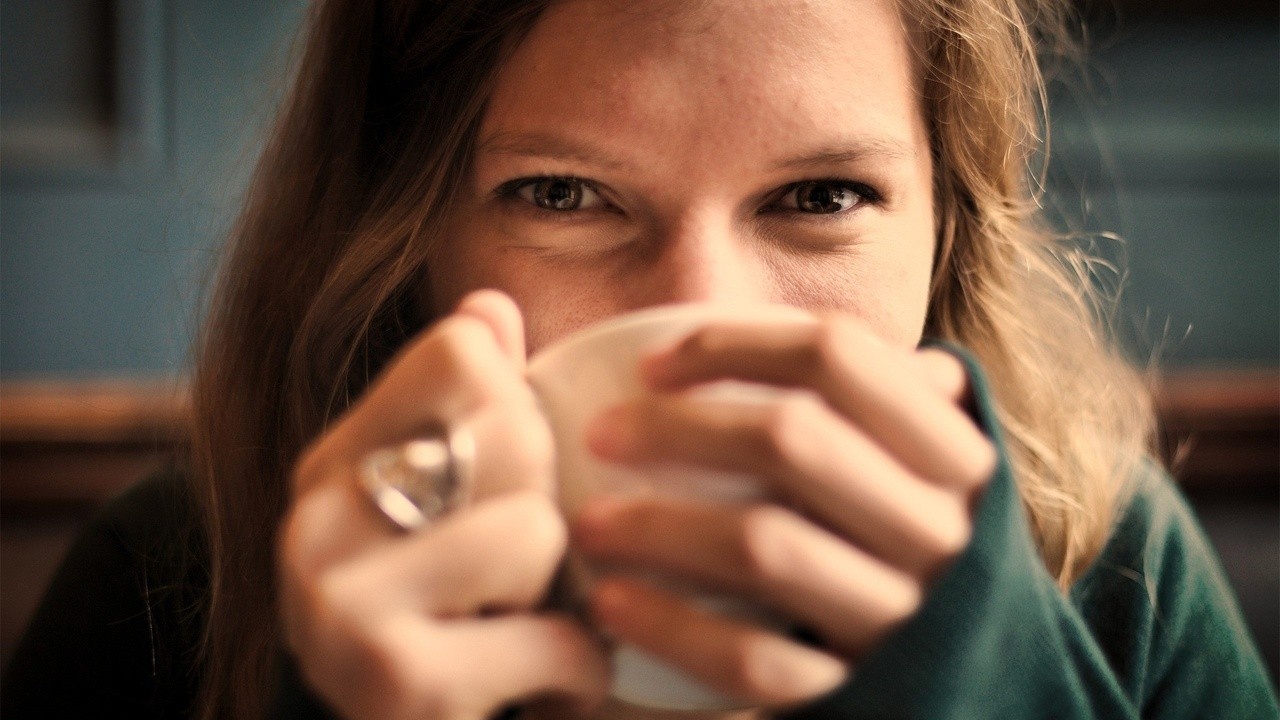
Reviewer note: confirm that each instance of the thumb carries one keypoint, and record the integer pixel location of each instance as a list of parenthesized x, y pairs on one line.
[(519, 428), (497, 310)]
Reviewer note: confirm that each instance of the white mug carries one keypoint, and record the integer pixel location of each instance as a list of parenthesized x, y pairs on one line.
[(579, 376)]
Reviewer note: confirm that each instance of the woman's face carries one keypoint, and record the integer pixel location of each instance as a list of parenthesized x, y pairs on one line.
[(639, 153)]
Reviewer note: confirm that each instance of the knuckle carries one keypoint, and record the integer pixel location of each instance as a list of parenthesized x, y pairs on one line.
[(423, 693), (539, 524), (533, 537), (307, 589), (751, 670), (532, 444), (303, 543), (462, 350), (456, 338), (702, 342), (332, 593), (406, 685), (514, 450), (290, 544), (948, 536), (984, 461), (902, 600), (788, 426), (833, 342), (312, 617), (402, 681), (365, 660), (383, 662), (765, 669), (829, 344), (956, 537), (763, 541), (647, 420), (325, 462), (310, 468)]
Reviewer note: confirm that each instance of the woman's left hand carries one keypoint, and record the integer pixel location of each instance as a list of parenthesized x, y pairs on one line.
[(874, 466)]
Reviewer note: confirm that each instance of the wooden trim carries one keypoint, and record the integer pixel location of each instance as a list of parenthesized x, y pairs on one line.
[(1246, 393), (1220, 429), (61, 475), (82, 442), (79, 443), (111, 412)]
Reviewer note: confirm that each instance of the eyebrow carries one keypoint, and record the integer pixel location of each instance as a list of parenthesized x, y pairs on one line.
[(542, 145), (857, 150), (548, 146)]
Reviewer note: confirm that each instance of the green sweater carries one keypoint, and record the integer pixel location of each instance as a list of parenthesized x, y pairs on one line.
[(1151, 631)]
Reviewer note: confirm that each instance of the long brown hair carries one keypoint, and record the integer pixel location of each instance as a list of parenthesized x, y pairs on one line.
[(1078, 418), (321, 282), (326, 265)]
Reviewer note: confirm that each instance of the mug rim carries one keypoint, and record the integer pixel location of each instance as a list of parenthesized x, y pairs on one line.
[(701, 311)]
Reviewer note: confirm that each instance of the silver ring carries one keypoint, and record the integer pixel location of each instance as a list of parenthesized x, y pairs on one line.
[(415, 482)]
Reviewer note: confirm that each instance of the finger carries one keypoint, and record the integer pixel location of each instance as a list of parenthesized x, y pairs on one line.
[(457, 377), (503, 317), (849, 597), (499, 556), (811, 458), (333, 518), (405, 667), (876, 386), (327, 525), (944, 372), (440, 378), (517, 658), (738, 659)]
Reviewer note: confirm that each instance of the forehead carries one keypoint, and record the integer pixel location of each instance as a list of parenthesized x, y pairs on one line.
[(676, 75)]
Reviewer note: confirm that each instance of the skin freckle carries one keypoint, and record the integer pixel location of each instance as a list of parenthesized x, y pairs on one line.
[(690, 127)]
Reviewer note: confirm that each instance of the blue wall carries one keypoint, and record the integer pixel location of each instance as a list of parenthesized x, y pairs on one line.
[(103, 261), (1177, 151)]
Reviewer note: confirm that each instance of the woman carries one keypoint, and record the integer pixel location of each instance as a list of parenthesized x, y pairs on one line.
[(454, 185)]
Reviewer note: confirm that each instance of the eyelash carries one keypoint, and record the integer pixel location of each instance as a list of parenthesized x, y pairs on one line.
[(510, 190), (867, 195)]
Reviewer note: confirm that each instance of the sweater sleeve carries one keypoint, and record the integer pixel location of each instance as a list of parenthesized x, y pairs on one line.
[(1151, 631)]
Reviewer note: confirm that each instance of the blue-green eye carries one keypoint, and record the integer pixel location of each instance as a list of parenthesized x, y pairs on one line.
[(558, 194), (823, 197)]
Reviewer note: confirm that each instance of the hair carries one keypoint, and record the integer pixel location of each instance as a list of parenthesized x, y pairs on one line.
[(322, 280)]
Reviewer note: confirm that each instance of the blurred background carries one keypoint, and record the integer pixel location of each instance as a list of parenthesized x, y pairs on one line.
[(128, 129)]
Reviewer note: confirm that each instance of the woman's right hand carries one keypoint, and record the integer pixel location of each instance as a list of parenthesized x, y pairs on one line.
[(443, 622)]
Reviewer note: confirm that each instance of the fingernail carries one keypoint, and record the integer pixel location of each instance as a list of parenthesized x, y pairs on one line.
[(609, 435)]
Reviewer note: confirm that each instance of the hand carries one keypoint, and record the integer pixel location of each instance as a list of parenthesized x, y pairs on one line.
[(440, 623), (874, 465)]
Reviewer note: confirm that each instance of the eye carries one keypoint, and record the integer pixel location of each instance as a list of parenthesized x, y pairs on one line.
[(824, 197), (558, 194)]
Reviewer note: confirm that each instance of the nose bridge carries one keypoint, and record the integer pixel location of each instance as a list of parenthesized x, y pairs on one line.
[(707, 260)]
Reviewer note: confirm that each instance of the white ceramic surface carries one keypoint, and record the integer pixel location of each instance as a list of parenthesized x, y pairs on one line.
[(592, 369)]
